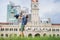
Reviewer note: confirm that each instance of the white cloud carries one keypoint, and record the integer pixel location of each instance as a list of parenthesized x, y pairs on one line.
[(49, 7)]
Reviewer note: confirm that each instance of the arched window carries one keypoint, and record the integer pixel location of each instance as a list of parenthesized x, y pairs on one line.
[(11, 35), (44, 34), (15, 35), (53, 35), (53, 29), (29, 35), (37, 35), (6, 29), (6, 35), (20, 35), (19, 29), (15, 29), (50, 35), (57, 30), (49, 29), (47, 22), (2, 29), (57, 34), (11, 29), (29, 28), (2, 35)]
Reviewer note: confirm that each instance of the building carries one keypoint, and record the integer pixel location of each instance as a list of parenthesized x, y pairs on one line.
[(12, 9), (35, 27)]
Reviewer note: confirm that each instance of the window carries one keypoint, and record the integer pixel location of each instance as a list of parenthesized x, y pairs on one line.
[(41, 21), (57, 29), (29, 28), (6, 35), (53, 29), (11, 29), (43, 28), (12, 7), (15, 35), (2, 35), (35, 29), (19, 29), (35, 5), (49, 30), (2, 29), (47, 22), (6, 29), (15, 29)]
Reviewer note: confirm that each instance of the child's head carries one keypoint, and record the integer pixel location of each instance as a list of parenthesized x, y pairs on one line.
[(22, 13)]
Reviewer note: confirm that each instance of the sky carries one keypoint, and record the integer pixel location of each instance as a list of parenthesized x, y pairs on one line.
[(48, 9)]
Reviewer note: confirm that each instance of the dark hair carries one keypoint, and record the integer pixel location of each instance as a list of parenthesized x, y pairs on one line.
[(26, 16)]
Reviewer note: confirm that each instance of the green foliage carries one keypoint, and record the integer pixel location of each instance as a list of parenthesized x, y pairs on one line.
[(30, 38)]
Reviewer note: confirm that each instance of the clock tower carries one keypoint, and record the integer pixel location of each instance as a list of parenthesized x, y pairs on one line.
[(35, 12)]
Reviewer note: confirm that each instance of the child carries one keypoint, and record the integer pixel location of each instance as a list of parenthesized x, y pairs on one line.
[(24, 18), (24, 22)]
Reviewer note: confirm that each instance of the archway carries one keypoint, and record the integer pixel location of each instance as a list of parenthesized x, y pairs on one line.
[(29, 35), (15, 35), (11, 35), (20, 35), (44, 34), (53, 35), (58, 35), (50, 35), (37, 35)]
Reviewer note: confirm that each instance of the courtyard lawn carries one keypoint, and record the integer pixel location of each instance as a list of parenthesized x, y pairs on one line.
[(31, 38)]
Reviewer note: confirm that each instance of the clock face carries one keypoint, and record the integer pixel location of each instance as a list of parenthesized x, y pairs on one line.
[(35, 5)]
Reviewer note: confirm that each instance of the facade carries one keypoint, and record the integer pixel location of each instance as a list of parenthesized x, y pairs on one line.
[(35, 27), (8, 29)]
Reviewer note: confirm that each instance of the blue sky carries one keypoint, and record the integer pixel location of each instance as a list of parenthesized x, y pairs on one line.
[(48, 9)]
